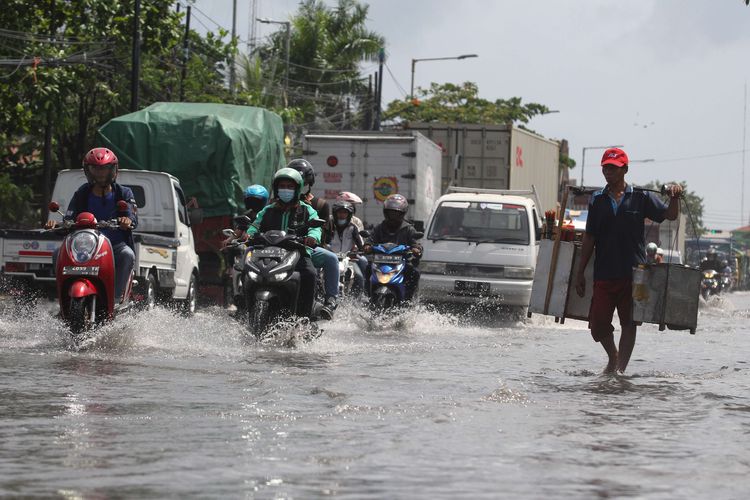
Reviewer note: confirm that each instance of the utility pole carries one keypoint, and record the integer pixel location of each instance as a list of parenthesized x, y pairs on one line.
[(381, 60), (185, 52), (286, 74), (232, 69), (743, 221), (136, 62), (374, 102)]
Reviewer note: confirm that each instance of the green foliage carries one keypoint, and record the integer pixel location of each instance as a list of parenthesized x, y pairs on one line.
[(692, 206), (452, 103), (566, 161), (326, 47), (18, 166)]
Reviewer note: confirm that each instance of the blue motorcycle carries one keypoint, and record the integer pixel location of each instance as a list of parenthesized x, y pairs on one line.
[(387, 280)]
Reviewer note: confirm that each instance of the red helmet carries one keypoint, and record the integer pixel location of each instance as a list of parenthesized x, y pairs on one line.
[(98, 158)]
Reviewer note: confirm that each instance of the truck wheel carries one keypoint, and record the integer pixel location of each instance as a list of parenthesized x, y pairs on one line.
[(259, 318), (188, 305), (79, 314)]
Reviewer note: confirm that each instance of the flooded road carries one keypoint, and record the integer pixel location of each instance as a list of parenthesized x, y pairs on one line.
[(428, 407)]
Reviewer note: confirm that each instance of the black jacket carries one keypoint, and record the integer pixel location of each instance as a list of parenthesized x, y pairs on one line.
[(404, 235)]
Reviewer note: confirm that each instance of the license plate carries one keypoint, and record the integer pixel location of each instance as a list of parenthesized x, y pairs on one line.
[(387, 259), (471, 286), (268, 252), (81, 270)]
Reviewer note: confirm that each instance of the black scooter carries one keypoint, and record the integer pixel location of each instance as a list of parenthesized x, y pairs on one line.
[(270, 282)]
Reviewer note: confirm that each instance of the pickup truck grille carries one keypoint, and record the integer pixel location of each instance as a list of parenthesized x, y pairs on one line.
[(474, 271)]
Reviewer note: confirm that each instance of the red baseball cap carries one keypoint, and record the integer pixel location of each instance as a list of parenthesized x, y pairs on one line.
[(616, 157)]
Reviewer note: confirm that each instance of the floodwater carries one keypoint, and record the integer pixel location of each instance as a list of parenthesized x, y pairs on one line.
[(429, 406)]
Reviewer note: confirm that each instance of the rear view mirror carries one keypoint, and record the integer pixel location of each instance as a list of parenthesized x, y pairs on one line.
[(364, 234), (418, 235), (316, 223), (195, 215), (418, 225), (227, 232), (53, 206), (242, 222)]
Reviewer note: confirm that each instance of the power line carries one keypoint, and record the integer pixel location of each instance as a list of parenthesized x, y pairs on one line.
[(396, 81), (698, 157)]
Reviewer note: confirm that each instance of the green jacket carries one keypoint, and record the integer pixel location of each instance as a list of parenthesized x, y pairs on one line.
[(277, 217)]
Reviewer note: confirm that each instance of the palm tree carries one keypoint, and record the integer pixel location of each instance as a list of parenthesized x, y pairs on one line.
[(327, 46)]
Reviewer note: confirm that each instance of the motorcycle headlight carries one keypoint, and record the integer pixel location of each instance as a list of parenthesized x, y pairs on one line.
[(280, 276), (384, 278), (253, 275), (82, 246)]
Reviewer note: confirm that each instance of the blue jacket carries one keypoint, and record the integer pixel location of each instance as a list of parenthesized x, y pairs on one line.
[(80, 201)]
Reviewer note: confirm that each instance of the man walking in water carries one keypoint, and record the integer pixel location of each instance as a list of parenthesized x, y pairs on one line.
[(614, 229)]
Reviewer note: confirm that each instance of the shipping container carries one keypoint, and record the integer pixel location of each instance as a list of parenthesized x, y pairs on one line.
[(496, 157), (374, 166)]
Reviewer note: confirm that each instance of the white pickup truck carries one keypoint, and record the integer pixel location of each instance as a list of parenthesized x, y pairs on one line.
[(166, 265), (480, 247)]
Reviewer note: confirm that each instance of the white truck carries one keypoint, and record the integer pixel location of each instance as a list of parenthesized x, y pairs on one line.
[(374, 166), (166, 265), (480, 247)]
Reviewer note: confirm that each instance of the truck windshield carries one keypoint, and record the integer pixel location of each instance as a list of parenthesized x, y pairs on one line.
[(480, 222)]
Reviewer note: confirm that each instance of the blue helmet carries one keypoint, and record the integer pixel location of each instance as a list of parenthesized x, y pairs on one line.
[(256, 197)]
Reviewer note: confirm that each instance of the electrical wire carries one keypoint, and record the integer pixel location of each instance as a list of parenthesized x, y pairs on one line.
[(14, 71), (396, 81)]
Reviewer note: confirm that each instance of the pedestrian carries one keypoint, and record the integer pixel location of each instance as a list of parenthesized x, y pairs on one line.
[(614, 229)]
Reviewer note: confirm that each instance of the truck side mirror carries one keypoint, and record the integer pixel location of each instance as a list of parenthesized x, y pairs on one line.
[(538, 233), (195, 216)]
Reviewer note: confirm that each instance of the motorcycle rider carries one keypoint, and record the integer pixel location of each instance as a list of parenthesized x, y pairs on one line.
[(652, 254), (354, 200), (288, 210), (256, 197), (345, 238), (99, 196), (322, 258), (711, 261), (394, 229)]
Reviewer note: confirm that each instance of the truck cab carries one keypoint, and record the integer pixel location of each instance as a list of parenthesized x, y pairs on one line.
[(480, 246), (165, 257)]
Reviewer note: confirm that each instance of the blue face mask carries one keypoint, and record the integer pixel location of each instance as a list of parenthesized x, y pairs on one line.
[(341, 222), (286, 195)]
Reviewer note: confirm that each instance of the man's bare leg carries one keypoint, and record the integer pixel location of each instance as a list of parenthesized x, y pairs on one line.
[(608, 343), (627, 342)]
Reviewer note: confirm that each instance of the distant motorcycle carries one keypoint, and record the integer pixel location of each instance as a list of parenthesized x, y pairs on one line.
[(234, 251), (85, 274), (387, 280), (710, 283)]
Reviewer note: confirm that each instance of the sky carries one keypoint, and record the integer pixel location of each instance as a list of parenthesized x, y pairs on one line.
[(663, 78)]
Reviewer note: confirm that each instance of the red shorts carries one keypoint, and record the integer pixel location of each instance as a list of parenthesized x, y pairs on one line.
[(610, 295)]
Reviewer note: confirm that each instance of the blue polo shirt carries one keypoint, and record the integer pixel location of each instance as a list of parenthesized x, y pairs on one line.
[(618, 230), (105, 208)]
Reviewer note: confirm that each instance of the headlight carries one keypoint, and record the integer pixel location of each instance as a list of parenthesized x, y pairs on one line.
[(286, 262), (280, 276), (519, 272), (384, 278), (430, 267), (248, 257), (253, 275), (83, 246)]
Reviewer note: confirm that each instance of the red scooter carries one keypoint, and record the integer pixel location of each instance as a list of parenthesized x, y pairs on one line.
[(85, 273)]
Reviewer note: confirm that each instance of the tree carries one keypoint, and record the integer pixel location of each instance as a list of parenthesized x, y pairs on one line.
[(692, 205), (452, 103), (327, 45), (66, 65)]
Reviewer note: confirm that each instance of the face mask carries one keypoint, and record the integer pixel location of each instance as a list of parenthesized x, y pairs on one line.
[(341, 222), (286, 195)]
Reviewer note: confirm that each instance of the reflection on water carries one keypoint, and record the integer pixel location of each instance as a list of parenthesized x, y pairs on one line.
[(419, 404)]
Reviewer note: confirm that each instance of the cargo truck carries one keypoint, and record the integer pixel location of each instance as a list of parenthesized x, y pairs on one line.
[(496, 157), (374, 165)]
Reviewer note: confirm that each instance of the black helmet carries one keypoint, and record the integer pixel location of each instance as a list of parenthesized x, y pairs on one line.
[(305, 169), (342, 205), (711, 251)]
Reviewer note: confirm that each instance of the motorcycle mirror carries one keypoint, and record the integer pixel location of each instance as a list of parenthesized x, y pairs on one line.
[(418, 235), (53, 206), (242, 221), (317, 223), (365, 234), (227, 232)]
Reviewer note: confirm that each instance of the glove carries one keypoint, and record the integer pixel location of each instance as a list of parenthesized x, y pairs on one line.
[(311, 242)]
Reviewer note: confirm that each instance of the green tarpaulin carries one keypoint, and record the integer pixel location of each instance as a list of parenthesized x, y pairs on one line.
[(215, 150)]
